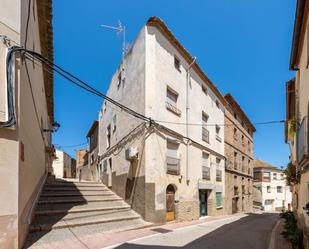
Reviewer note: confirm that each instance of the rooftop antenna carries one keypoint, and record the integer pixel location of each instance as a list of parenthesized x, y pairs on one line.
[(120, 29)]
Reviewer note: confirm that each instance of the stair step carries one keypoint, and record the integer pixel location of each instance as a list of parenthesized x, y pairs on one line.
[(88, 207), (53, 188), (81, 199), (76, 193), (81, 219), (76, 184)]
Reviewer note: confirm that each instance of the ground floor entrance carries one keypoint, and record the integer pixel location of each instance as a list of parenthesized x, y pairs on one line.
[(170, 203), (234, 205), (203, 196)]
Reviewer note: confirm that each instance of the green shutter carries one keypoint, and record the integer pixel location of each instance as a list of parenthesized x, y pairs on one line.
[(218, 199)]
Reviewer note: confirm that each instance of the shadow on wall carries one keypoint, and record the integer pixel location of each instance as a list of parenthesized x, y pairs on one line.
[(56, 199), (252, 231)]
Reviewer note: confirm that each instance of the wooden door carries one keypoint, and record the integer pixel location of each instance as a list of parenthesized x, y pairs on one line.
[(170, 203)]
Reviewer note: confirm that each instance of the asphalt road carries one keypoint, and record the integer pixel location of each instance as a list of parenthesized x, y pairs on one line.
[(250, 231)]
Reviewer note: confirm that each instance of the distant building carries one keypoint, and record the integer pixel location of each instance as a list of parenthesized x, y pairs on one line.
[(239, 158), (297, 115), (270, 192), (64, 165), (93, 152), (26, 115), (82, 169), (172, 171)]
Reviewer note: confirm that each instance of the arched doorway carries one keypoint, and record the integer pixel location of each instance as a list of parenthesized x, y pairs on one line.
[(170, 203)]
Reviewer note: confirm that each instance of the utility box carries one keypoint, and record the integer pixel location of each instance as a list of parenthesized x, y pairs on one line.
[(131, 153)]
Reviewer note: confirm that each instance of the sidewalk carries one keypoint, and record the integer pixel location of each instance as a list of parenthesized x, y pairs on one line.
[(279, 242), (98, 241)]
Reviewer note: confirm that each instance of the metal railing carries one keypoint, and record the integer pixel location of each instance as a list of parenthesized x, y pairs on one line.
[(302, 140), (205, 135), (172, 165)]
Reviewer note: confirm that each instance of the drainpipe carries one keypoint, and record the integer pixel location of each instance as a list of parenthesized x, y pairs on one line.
[(187, 119)]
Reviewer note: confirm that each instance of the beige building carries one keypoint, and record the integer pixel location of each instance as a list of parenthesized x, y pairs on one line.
[(239, 158), (82, 169), (26, 116), (170, 169), (270, 190), (93, 165), (297, 107), (64, 165)]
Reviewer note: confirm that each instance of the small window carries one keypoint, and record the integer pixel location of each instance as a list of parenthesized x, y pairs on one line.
[(243, 140), (217, 104), (279, 189), (171, 96), (218, 199), (218, 175), (235, 134), (268, 189), (110, 162), (275, 176), (235, 115), (177, 63), (218, 130), (204, 89)]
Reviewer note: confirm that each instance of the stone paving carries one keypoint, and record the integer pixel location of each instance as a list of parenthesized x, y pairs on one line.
[(280, 241)]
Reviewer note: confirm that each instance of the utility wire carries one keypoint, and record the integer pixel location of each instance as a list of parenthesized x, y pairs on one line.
[(27, 24), (71, 146)]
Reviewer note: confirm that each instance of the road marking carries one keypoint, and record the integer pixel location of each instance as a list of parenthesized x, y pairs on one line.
[(271, 244)]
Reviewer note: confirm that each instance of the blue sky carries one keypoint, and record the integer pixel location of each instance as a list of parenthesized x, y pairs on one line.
[(243, 47)]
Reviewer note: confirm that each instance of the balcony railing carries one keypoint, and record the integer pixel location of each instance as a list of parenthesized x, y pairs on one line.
[(172, 165), (302, 140), (205, 135), (206, 173)]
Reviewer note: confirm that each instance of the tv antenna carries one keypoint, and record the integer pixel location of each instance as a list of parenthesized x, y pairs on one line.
[(120, 29)]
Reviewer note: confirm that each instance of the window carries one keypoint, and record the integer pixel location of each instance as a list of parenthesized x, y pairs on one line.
[(235, 115), (243, 140), (217, 104), (218, 175), (108, 136), (279, 189), (171, 101), (235, 134), (205, 166), (218, 199), (268, 189), (243, 189), (249, 169), (266, 176), (114, 123), (177, 63), (105, 166), (172, 159), (235, 160), (204, 89), (218, 128), (243, 164), (205, 131), (275, 176), (235, 190), (249, 148), (110, 162)]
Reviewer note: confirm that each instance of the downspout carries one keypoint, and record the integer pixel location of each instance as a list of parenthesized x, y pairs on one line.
[(187, 120)]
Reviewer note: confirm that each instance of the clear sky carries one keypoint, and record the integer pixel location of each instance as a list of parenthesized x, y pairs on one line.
[(243, 47)]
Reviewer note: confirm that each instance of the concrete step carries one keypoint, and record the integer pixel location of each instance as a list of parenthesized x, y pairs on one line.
[(63, 208), (45, 223), (74, 184), (77, 199), (70, 188), (76, 193)]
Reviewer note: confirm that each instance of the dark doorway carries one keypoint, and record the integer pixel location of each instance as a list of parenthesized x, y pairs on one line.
[(203, 195), (234, 205), (170, 203)]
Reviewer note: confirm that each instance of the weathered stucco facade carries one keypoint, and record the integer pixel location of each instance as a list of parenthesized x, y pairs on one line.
[(64, 165), (297, 124), (239, 158), (152, 165), (24, 147)]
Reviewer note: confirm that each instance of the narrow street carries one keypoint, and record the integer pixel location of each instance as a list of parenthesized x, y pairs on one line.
[(239, 232)]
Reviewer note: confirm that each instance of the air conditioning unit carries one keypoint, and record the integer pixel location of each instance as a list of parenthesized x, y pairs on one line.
[(131, 153)]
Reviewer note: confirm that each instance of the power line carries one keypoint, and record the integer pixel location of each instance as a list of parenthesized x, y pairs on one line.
[(27, 24), (71, 146)]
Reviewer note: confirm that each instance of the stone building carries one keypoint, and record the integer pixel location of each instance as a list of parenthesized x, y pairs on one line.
[(82, 168), (26, 115), (64, 165), (238, 150), (297, 115), (270, 192), (93, 165), (170, 169)]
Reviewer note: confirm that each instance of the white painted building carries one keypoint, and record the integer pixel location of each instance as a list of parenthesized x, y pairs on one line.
[(270, 191), (63, 165), (155, 168)]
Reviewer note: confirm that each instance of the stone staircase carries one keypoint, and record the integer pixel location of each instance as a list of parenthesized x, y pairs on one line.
[(79, 209)]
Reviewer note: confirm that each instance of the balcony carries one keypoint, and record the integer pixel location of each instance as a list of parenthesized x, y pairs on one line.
[(302, 140), (172, 107), (172, 165), (206, 173), (205, 135)]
